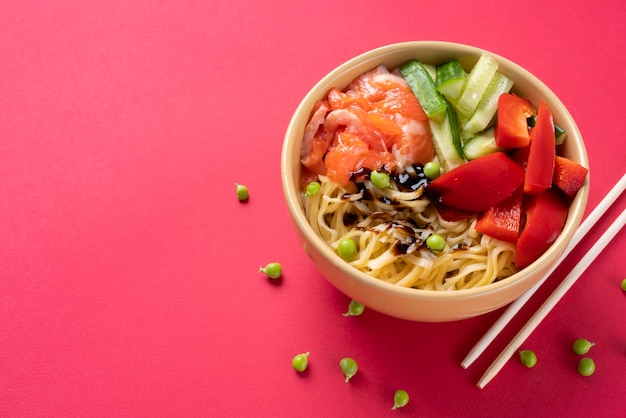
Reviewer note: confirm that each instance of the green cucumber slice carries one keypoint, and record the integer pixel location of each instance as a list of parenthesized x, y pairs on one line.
[(476, 83), (432, 71), (450, 79), (423, 86), (454, 129), (488, 105), (443, 140), (481, 144)]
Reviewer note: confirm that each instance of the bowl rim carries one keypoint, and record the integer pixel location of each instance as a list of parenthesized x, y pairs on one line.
[(292, 197)]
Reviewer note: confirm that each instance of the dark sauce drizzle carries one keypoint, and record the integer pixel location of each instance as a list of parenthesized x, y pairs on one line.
[(407, 181), (410, 243), (411, 181), (406, 230)]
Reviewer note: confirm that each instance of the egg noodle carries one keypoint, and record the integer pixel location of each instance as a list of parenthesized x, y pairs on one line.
[(390, 227)]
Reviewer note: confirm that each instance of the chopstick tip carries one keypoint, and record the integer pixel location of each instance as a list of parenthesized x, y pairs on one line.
[(472, 356), (484, 380)]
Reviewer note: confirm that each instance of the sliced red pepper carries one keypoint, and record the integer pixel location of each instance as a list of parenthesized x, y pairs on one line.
[(568, 176), (545, 214), (540, 167), (475, 186), (502, 221), (520, 156), (511, 125)]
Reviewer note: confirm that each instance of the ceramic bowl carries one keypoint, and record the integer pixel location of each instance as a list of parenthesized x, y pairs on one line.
[(409, 303)]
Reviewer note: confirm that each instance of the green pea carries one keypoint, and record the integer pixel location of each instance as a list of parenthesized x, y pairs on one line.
[(380, 179), (348, 367), (432, 170), (400, 399), (300, 362), (354, 309), (346, 249), (272, 270), (528, 358), (586, 366), (312, 189), (624, 285), (435, 243), (581, 346), (242, 192)]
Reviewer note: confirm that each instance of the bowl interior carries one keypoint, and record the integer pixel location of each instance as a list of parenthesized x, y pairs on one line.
[(429, 52)]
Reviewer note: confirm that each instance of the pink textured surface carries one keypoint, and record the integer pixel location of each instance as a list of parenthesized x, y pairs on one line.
[(129, 281)]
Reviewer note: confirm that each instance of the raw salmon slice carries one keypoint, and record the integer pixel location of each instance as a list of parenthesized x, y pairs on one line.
[(375, 123)]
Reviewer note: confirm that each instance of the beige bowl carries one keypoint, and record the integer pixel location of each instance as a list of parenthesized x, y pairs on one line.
[(407, 303)]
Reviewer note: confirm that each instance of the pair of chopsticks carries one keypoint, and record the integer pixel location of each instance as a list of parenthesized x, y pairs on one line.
[(558, 293)]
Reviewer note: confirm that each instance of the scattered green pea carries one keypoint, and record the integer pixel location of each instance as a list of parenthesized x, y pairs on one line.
[(300, 362), (400, 399), (312, 189), (586, 366), (528, 358), (581, 346), (354, 308), (348, 367), (242, 192), (346, 249), (380, 179), (624, 285), (435, 243), (272, 270), (432, 170)]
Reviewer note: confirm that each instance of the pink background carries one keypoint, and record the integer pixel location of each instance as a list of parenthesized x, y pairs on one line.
[(129, 281)]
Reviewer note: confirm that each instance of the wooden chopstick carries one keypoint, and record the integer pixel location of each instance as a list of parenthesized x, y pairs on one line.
[(516, 305), (553, 299)]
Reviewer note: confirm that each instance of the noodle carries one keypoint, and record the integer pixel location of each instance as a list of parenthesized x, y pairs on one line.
[(390, 227)]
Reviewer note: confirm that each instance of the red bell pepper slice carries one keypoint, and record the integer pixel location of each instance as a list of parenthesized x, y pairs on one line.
[(475, 186), (540, 167), (511, 125), (569, 176), (520, 156), (502, 221), (545, 213)]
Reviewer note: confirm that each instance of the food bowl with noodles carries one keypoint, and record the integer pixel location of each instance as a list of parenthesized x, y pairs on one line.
[(433, 181)]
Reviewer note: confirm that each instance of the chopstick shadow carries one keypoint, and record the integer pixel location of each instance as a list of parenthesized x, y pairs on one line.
[(508, 333)]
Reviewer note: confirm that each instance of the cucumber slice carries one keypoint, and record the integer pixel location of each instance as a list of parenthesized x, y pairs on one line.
[(488, 105), (476, 83), (454, 129), (450, 79), (432, 71), (443, 140), (423, 86), (481, 144)]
